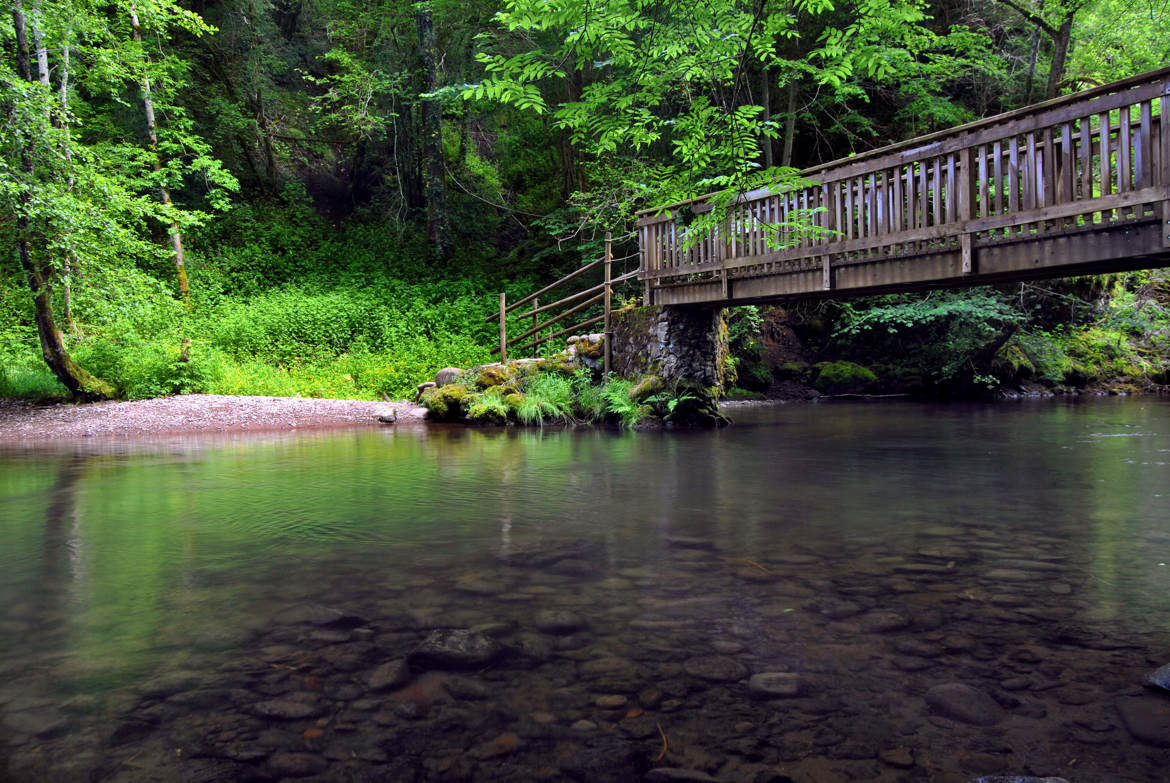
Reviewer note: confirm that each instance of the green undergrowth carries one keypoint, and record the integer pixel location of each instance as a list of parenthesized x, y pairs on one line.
[(283, 304)]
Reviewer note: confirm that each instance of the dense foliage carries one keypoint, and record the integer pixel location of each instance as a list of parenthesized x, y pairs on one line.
[(258, 196)]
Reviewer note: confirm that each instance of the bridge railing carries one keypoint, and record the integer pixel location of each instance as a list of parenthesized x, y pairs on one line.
[(1094, 158)]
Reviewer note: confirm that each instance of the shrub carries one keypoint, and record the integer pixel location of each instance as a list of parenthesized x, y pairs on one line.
[(842, 378)]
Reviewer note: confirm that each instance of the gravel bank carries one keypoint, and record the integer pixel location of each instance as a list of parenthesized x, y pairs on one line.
[(192, 413)]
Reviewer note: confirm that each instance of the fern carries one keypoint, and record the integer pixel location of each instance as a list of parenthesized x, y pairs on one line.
[(616, 395)]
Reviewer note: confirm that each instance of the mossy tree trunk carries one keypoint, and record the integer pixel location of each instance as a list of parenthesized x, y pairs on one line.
[(80, 383)]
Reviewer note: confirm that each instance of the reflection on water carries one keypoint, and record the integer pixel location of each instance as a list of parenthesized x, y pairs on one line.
[(875, 553)]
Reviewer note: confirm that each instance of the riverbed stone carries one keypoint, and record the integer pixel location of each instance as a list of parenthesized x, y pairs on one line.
[(1159, 678), (500, 746), (963, 703), (558, 621), (390, 675), (297, 765), (316, 614), (882, 621), (286, 709), (771, 685), (716, 668), (456, 649), (900, 757), (1147, 719), (670, 774), (1015, 779)]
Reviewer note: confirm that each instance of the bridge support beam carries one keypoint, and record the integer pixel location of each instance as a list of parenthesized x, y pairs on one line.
[(684, 346)]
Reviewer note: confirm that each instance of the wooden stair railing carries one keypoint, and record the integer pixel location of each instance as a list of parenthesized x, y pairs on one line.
[(601, 292)]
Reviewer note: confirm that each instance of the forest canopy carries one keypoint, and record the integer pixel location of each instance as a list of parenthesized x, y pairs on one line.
[(281, 196)]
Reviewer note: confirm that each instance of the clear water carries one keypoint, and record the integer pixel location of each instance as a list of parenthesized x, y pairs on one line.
[(1024, 550)]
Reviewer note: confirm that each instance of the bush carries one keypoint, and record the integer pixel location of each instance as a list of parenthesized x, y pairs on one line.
[(842, 378), (141, 370)]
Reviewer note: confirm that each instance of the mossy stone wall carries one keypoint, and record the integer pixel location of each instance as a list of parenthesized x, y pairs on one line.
[(674, 343)]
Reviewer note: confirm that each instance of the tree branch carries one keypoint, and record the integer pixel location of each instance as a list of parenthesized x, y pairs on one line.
[(1031, 16)]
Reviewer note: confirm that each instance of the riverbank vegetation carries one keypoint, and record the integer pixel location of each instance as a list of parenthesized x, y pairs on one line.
[(256, 197)]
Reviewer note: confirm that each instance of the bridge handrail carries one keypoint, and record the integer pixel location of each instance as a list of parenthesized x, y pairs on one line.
[(1095, 157), (987, 122)]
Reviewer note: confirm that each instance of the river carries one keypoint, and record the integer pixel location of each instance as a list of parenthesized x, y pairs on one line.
[(820, 593)]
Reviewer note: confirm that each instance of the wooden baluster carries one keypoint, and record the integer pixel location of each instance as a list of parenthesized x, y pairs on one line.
[(997, 168), (1086, 157), (869, 209), (1047, 179), (980, 207), (952, 202), (838, 213), (923, 195), (826, 216), (911, 200), (899, 210), (803, 201), (1106, 162), (849, 209), (1144, 158), (757, 227), (1013, 176), (968, 187), (1029, 171), (936, 193), (1124, 183), (1068, 167)]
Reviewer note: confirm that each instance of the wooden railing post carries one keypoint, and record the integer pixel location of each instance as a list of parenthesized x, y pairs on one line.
[(503, 327), (967, 185), (535, 323), (606, 299)]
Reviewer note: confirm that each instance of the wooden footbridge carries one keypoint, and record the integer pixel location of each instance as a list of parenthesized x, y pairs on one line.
[(1075, 185)]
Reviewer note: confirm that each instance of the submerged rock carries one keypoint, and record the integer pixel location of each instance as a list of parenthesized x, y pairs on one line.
[(456, 649), (1159, 678), (770, 685), (285, 709), (297, 765), (716, 668), (1147, 719), (1015, 779), (316, 614), (558, 621), (667, 774), (389, 675), (964, 703)]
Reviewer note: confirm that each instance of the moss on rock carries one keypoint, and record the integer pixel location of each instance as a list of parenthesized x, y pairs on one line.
[(448, 403), (842, 378), (647, 387)]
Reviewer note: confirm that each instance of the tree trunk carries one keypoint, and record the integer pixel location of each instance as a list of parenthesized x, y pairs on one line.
[(63, 123), (1062, 42), (766, 100), (789, 124), (432, 122), (80, 383), (1029, 84), (152, 132)]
